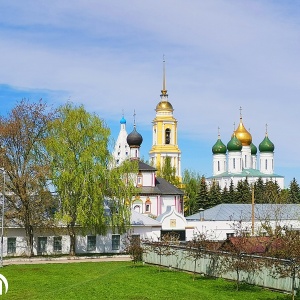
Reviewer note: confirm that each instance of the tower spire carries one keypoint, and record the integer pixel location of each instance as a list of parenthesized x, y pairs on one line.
[(134, 114), (164, 89), (241, 113), (266, 129)]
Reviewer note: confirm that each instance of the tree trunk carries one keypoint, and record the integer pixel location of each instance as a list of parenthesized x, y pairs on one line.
[(72, 234), (29, 234), (237, 279)]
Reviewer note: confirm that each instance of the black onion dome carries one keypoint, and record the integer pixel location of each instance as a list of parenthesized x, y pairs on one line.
[(134, 138)]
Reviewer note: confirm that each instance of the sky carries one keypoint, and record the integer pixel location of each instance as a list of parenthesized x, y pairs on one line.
[(107, 55)]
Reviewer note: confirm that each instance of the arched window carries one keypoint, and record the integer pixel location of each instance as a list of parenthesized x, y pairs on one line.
[(148, 206), (137, 208), (167, 136)]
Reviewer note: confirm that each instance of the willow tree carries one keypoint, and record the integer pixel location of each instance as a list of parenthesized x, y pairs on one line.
[(93, 194), (22, 155)]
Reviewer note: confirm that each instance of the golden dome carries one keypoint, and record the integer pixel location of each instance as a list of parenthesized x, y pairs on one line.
[(164, 105), (243, 134)]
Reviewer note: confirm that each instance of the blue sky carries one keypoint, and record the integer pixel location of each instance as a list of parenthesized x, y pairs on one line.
[(107, 55)]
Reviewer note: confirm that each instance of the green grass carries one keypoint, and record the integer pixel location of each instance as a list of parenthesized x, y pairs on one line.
[(120, 280)]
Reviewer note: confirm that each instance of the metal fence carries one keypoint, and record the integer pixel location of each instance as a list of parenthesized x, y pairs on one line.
[(180, 259)]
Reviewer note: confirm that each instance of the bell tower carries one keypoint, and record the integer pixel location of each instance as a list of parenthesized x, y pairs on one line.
[(164, 132)]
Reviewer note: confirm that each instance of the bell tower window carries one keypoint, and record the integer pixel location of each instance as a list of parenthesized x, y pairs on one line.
[(168, 136)]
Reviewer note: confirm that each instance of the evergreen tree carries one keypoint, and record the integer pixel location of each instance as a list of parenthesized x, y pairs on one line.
[(294, 192), (259, 191), (232, 193), (214, 194), (202, 196), (272, 192), (243, 192), (225, 195)]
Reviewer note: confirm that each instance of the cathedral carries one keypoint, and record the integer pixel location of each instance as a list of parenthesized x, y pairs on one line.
[(238, 160)]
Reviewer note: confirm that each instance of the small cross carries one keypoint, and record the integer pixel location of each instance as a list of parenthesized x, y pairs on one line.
[(134, 117), (240, 112)]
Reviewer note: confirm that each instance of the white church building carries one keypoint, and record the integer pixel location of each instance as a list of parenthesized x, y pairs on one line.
[(239, 160)]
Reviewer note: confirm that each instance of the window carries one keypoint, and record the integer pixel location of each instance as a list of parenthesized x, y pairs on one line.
[(42, 244), (137, 208), (234, 163), (91, 243), (57, 243), (115, 242), (168, 135), (266, 164), (147, 208), (218, 166), (140, 179), (148, 205), (11, 245)]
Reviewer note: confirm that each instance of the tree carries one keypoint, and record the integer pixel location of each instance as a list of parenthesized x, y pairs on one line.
[(259, 190), (196, 249), (237, 256), (133, 246), (272, 192), (202, 196), (93, 196), (231, 192), (168, 172), (243, 193), (286, 248), (163, 247), (25, 162), (191, 185), (294, 192), (214, 194)]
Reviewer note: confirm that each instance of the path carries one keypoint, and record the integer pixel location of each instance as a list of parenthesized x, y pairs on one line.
[(67, 259)]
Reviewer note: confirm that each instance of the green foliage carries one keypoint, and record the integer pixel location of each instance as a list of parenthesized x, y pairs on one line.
[(24, 159), (294, 192), (168, 172), (202, 196), (191, 183), (243, 193), (82, 174), (214, 194)]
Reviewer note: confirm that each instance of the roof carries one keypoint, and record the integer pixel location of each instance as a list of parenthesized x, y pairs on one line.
[(245, 173), (162, 187), (145, 167), (243, 212), (138, 219), (249, 245), (166, 188)]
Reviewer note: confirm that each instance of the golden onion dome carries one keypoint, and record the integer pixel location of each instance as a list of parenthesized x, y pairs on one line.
[(164, 105), (243, 134)]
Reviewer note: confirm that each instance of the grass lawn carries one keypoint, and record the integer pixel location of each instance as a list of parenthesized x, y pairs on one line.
[(120, 280)]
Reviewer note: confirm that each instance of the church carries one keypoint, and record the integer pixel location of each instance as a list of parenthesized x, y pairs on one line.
[(155, 193), (239, 161)]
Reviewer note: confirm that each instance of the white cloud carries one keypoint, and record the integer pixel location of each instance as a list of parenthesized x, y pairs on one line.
[(220, 55)]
